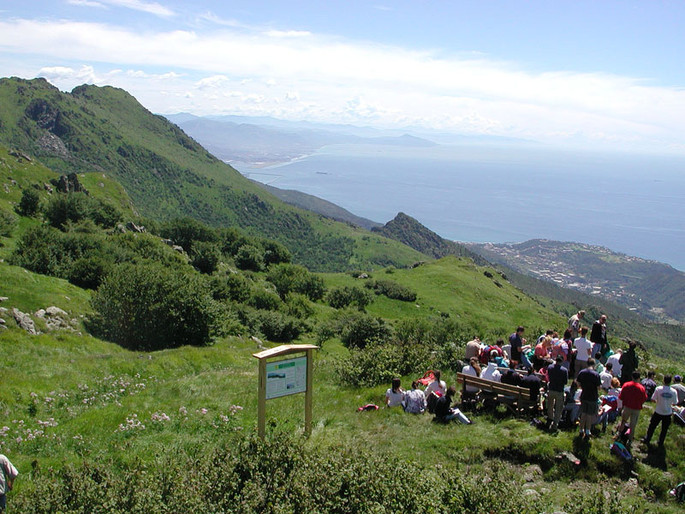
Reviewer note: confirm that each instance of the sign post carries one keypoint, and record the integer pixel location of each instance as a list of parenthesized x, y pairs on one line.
[(284, 377)]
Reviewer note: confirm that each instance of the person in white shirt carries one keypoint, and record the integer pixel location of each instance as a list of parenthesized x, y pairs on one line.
[(395, 395), (473, 369), (414, 400), (606, 376), (7, 475), (584, 350), (665, 397), (491, 372), (614, 359), (436, 385)]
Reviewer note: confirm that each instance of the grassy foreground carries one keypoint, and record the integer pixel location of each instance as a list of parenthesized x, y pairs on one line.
[(93, 427)]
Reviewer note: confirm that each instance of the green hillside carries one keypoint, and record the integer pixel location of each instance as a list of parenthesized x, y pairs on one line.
[(95, 130)]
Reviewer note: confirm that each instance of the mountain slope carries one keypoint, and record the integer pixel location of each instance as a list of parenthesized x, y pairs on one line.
[(653, 289), (409, 231), (167, 174)]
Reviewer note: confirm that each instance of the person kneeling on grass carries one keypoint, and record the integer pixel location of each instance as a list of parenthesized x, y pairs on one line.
[(445, 414)]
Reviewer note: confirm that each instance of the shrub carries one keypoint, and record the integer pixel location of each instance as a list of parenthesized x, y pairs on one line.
[(64, 208), (262, 299), (89, 272), (186, 231), (205, 257), (273, 325), (249, 257), (7, 223), (234, 287), (298, 305), (275, 253), (392, 290), (355, 329), (291, 278), (29, 203), (345, 296), (151, 307)]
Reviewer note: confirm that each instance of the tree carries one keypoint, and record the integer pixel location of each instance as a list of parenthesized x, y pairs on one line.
[(296, 279), (29, 203), (205, 257)]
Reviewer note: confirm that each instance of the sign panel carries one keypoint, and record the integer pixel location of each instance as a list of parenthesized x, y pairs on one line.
[(286, 377)]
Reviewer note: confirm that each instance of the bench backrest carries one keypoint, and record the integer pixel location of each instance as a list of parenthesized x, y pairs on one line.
[(494, 387)]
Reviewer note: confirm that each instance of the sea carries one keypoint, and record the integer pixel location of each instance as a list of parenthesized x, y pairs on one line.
[(632, 204)]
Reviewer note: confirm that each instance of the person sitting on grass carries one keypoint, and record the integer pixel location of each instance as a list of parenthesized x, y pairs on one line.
[(606, 376), (395, 395), (473, 369), (511, 376), (438, 386), (414, 400), (444, 413)]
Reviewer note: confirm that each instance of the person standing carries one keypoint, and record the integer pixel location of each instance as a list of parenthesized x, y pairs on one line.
[(633, 396), (574, 323), (629, 363), (679, 388), (589, 381), (665, 398), (599, 336), (517, 341), (650, 384), (583, 351), (558, 377), (7, 475)]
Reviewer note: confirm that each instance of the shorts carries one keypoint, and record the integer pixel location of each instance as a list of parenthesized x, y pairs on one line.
[(588, 407)]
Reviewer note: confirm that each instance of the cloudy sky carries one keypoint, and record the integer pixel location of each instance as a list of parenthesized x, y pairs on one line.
[(600, 73)]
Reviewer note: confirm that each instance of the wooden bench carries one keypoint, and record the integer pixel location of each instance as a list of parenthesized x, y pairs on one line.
[(515, 398)]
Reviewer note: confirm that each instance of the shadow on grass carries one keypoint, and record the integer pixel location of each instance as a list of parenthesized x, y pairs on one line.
[(581, 449), (656, 457)]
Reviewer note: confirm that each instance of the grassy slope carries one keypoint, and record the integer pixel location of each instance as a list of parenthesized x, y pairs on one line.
[(96, 386), (167, 174)]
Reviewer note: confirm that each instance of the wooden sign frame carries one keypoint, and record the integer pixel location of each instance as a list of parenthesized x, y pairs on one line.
[(281, 351)]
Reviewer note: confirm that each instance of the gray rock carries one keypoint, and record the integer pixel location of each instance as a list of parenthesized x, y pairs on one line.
[(40, 313), (3, 298), (4, 309), (24, 321), (2, 321)]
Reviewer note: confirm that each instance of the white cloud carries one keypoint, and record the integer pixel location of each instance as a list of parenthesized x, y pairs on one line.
[(137, 5), (85, 74), (288, 33), (257, 72), (85, 3)]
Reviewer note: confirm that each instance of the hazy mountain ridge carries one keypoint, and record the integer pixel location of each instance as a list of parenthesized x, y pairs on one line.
[(654, 289), (266, 140)]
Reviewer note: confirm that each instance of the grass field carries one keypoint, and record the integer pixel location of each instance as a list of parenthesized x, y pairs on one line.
[(70, 400)]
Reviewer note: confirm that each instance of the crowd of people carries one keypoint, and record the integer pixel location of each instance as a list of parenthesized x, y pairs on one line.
[(579, 381)]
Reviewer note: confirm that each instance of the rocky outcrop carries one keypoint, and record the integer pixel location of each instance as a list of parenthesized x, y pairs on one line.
[(56, 319), (70, 184), (24, 321)]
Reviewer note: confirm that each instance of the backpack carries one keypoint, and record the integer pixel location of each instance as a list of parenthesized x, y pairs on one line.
[(620, 450), (679, 492)]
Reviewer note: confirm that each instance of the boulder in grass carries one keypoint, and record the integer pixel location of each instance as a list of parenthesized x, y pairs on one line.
[(24, 321)]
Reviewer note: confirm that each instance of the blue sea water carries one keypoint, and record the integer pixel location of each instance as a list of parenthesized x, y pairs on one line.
[(631, 204)]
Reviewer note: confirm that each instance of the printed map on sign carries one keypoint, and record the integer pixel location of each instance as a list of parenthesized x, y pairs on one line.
[(286, 377)]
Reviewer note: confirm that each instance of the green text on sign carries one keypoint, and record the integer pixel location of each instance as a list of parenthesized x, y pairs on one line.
[(286, 377)]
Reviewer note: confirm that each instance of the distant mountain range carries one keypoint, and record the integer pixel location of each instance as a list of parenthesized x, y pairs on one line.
[(266, 140), (651, 288)]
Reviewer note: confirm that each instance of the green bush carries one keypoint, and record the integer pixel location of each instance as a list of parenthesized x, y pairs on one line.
[(299, 306), (205, 257), (66, 208), (262, 299), (29, 203), (89, 272), (234, 287), (273, 325), (392, 290), (186, 231), (345, 296), (249, 257), (151, 307), (7, 223), (291, 278), (275, 253)]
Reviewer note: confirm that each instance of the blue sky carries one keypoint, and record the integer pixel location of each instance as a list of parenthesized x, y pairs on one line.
[(596, 74)]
